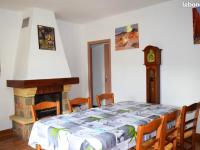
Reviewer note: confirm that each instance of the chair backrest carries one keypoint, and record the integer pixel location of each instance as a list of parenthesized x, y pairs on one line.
[(155, 125), (189, 124), (43, 106), (78, 101), (106, 96), (170, 129)]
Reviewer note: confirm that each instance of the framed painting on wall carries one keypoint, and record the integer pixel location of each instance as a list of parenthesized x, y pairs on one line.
[(127, 37), (46, 38), (196, 25)]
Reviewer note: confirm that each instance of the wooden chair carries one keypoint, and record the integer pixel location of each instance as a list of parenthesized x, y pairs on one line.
[(44, 105), (38, 147), (106, 96), (169, 131), (77, 102), (187, 130), (154, 143)]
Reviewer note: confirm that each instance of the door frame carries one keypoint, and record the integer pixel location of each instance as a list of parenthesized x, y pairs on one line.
[(108, 66)]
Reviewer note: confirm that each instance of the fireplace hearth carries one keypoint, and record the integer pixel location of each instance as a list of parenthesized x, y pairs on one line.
[(30, 92)]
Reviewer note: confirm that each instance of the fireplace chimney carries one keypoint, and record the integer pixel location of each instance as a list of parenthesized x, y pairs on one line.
[(32, 62), (39, 73)]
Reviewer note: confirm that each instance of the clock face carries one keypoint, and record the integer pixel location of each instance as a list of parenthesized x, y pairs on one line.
[(150, 56)]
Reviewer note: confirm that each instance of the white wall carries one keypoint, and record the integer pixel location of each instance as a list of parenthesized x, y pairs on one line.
[(168, 26), (9, 29), (70, 34)]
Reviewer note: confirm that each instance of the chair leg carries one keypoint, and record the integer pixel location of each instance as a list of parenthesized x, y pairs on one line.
[(193, 144), (174, 144), (38, 147), (181, 144), (193, 141)]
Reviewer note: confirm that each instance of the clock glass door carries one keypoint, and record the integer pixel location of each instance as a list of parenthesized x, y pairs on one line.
[(151, 85)]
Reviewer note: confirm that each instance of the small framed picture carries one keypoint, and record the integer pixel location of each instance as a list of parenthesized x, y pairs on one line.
[(46, 38), (127, 37), (196, 25)]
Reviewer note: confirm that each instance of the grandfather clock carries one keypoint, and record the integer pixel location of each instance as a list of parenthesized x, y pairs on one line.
[(152, 61)]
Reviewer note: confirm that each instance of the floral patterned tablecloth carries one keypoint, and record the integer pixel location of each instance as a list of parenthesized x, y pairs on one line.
[(106, 128)]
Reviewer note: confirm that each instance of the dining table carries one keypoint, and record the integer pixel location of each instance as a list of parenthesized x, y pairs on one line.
[(111, 127)]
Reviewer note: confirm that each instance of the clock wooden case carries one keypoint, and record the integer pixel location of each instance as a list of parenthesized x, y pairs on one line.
[(152, 61)]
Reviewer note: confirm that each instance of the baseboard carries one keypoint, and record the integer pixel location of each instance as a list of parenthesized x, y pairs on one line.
[(6, 133)]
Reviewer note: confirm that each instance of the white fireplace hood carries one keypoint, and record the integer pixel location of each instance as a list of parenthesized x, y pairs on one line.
[(35, 63)]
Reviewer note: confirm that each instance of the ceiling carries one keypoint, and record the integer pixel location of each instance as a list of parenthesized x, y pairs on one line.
[(80, 11)]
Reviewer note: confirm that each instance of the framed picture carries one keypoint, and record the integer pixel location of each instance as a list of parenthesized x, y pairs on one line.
[(46, 38), (196, 25), (127, 37)]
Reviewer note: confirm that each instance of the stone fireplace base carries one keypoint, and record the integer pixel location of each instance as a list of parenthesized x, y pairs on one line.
[(25, 97)]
